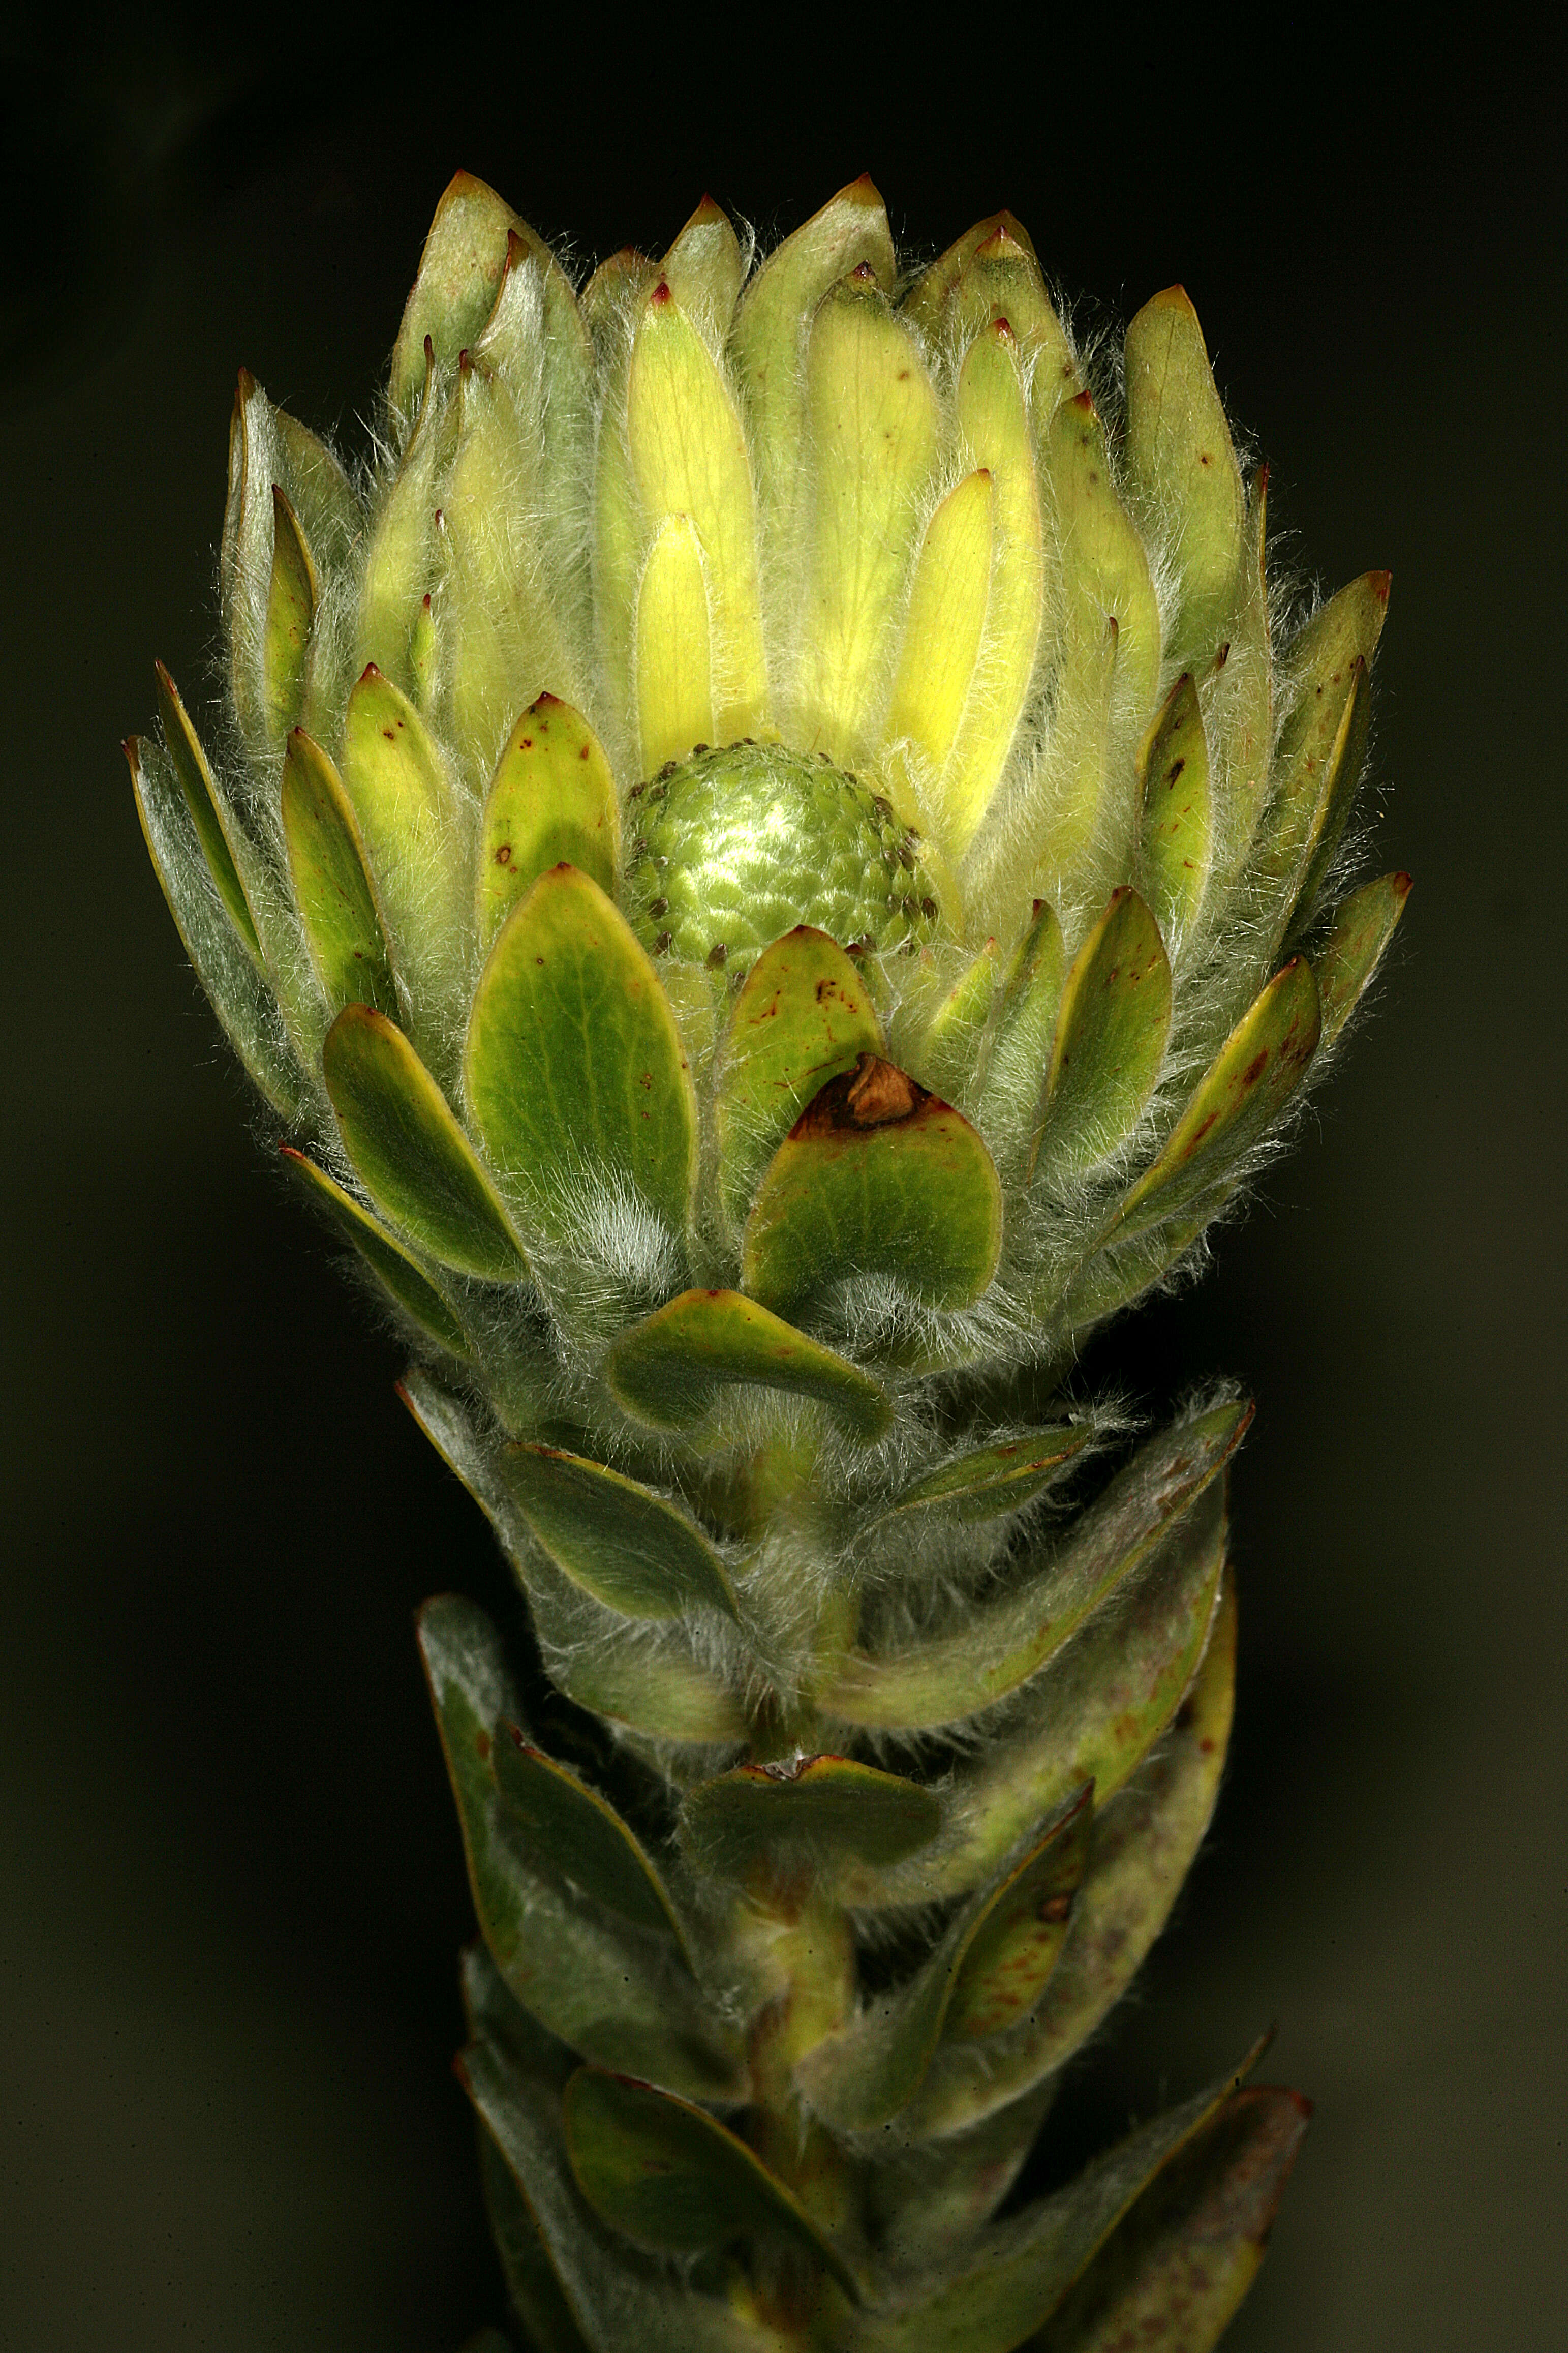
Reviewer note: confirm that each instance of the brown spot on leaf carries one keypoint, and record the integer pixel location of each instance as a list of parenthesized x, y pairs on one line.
[(873, 1094)]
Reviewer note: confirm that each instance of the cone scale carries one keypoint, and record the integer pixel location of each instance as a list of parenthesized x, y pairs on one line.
[(787, 862)]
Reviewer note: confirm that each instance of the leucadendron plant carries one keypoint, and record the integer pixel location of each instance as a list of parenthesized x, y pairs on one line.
[(775, 858)]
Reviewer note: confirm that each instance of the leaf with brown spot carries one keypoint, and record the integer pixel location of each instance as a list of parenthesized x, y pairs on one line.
[(1237, 1101), (986, 1973), (877, 1176), (1110, 1045), (1178, 2265), (1345, 964), (803, 1016)]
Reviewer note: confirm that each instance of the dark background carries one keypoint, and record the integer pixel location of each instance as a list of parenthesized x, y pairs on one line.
[(230, 1893)]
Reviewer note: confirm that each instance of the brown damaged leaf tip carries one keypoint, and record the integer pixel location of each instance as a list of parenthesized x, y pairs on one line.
[(873, 1094)]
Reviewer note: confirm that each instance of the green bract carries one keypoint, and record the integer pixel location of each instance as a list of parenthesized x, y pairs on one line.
[(777, 859)]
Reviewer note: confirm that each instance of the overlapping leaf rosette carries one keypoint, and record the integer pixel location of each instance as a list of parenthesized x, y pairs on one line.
[(778, 863)]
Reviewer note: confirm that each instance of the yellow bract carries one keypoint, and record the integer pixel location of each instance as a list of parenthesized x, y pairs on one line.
[(948, 601), (993, 423), (674, 649), (688, 457), (873, 423)]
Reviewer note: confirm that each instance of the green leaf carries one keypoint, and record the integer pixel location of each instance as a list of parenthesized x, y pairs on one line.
[(1093, 1715), (1022, 2270), (274, 566), (669, 1369), (208, 814), (948, 1056), (987, 1972), (1363, 926), (1143, 1847), (993, 1646), (1020, 1051), (1237, 1101), (877, 1176), (1112, 1276), (990, 1481), (413, 1158), (416, 835), (530, 2280), (598, 1986), (1321, 737), (398, 1268), (1178, 2265), (460, 273), (664, 1695), (1175, 835), (1015, 1945), (1184, 474), (1112, 1034), (761, 1821), (619, 1541), (238, 991), (658, 1687), (578, 1833), (551, 802), (673, 2180), (293, 595), (1342, 776), (803, 1016), (932, 2197), (331, 888), (573, 1066), (618, 2298)]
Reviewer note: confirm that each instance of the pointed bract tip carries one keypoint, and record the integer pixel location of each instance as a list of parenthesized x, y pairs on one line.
[(1001, 245), (707, 212), (370, 670), (1171, 298), (1379, 583), (246, 386), (1403, 884), (863, 274), (661, 299), (1083, 402), (547, 702)]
